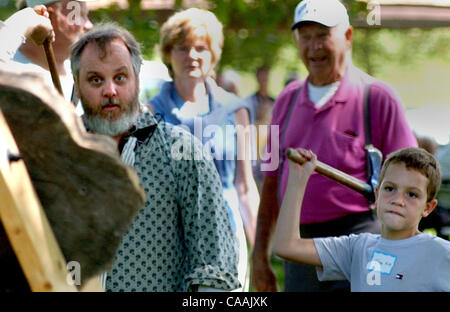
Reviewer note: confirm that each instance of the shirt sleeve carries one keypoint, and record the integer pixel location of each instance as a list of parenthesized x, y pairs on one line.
[(210, 241), (441, 275), (11, 41), (336, 256), (279, 112)]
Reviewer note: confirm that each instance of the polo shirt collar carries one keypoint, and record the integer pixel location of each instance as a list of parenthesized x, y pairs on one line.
[(346, 87)]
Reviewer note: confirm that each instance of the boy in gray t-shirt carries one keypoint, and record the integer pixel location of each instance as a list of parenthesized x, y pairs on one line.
[(402, 258)]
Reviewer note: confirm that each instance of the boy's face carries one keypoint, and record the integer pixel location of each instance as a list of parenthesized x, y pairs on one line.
[(402, 201)]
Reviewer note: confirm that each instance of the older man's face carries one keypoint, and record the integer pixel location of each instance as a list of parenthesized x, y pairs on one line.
[(323, 51), (108, 88), (70, 20)]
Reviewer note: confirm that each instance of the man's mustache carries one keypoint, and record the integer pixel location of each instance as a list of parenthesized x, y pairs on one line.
[(111, 101)]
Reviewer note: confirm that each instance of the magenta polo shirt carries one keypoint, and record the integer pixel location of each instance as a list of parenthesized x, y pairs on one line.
[(335, 132)]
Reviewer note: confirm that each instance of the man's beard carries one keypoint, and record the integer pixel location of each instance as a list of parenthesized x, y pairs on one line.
[(103, 125)]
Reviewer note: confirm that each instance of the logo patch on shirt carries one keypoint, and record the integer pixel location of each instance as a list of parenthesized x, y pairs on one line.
[(386, 262), (399, 276)]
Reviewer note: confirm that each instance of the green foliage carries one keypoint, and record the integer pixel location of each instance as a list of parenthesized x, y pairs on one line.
[(142, 24), (7, 7), (377, 49), (258, 32), (254, 31)]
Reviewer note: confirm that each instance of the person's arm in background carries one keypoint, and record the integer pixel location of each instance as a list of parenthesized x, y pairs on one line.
[(245, 183), (263, 277)]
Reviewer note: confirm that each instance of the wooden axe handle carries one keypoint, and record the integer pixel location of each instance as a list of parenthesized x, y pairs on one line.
[(332, 173), (52, 65)]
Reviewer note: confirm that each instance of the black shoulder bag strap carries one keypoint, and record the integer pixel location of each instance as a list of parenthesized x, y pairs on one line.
[(366, 99), (374, 157), (283, 131)]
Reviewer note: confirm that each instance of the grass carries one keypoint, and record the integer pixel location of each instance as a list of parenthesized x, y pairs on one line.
[(277, 265)]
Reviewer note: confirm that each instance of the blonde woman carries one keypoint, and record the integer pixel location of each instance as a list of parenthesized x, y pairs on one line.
[(191, 44)]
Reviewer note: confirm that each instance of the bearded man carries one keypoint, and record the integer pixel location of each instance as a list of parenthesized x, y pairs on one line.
[(182, 238)]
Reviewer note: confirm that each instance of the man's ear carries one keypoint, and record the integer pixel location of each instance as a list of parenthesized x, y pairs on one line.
[(349, 36), (53, 16), (429, 207), (51, 12), (296, 35), (50, 9)]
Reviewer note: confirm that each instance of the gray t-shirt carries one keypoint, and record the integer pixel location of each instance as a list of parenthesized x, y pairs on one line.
[(372, 263)]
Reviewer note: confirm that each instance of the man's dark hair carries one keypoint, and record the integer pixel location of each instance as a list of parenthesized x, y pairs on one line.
[(102, 34)]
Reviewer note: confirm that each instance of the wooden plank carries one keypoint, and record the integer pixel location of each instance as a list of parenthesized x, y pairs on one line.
[(26, 224)]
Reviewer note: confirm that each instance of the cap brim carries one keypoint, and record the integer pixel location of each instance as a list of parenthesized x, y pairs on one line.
[(297, 24)]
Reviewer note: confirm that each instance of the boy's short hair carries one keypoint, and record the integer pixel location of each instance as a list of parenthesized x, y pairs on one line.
[(417, 159)]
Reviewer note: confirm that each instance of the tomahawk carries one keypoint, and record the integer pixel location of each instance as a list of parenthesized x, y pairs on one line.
[(333, 173)]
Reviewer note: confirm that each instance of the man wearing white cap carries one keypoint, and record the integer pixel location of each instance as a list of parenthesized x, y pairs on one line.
[(325, 115), (69, 20)]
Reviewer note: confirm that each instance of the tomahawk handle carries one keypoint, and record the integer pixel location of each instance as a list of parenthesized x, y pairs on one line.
[(332, 173), (52, 65)]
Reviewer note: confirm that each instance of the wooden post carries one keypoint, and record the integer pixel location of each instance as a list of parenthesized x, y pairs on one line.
[(26, 224)]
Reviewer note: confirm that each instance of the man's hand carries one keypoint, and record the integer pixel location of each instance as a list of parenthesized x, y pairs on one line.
[(44, 28), (262, 276)]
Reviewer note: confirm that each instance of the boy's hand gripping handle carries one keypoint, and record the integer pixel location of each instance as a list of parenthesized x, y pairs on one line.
[(333, 173)]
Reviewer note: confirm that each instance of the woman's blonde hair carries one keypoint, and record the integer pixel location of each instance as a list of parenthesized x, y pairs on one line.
[(189, 25)]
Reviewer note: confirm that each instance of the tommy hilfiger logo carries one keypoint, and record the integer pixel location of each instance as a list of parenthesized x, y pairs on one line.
[(399, 276)]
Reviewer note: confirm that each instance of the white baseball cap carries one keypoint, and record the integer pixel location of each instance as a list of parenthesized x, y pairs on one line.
[(32, 3), (326, 12)]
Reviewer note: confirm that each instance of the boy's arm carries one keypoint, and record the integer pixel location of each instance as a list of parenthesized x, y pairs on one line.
[(287, 241)]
